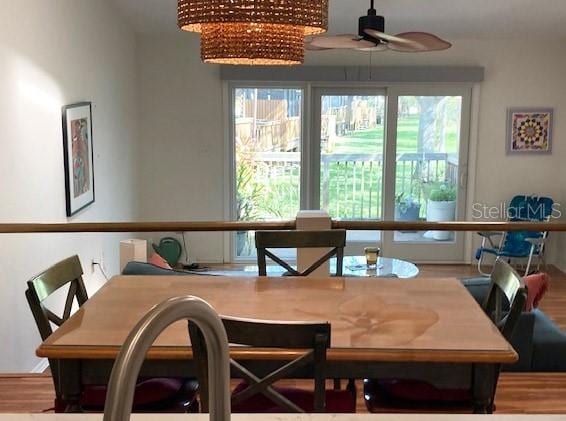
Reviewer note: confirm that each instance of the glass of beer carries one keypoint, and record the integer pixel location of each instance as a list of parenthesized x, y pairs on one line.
[(372, 253)]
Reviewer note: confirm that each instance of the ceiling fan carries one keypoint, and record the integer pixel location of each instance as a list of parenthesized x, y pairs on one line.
[(371, 37)]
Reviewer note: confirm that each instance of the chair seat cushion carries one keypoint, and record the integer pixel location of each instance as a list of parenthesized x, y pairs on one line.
[(151, 392), (381, 395), (337, 401)]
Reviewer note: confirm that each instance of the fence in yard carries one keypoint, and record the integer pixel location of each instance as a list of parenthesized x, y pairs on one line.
[(282, 135), (351, 184)]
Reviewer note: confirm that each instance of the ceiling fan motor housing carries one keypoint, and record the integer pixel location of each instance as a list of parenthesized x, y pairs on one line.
[(371, 21)]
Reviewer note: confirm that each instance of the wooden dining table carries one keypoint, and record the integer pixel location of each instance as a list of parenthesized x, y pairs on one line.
[(380, 328)]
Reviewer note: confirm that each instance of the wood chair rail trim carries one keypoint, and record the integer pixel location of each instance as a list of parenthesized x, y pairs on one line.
[(215, 226)]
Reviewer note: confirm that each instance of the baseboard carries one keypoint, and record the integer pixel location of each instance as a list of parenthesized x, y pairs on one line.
[(41, 366), (559, 267)]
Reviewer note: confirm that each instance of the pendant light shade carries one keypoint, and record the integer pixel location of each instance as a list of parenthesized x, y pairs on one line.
[(252, 44), (254, 32)]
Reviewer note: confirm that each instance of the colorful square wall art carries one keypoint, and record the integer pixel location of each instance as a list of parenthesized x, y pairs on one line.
[(78, 156), (529, 130)]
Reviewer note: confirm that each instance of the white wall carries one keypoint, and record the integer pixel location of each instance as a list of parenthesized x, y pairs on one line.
[(182, 147), (181, 108), (54, 53)]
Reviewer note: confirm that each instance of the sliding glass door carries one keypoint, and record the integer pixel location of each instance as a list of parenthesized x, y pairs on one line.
[(391, 153), (395, 154), (428, 146), (267, 140), (349, 128)]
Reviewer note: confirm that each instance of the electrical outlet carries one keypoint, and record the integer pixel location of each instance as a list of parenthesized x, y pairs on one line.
[(101, 262)]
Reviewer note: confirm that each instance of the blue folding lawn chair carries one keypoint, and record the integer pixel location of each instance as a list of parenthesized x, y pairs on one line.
[(518, 246)]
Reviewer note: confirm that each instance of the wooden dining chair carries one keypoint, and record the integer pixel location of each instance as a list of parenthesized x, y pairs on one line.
[(257, 393), (154, 394), (507, 291), (334, 239), (506, 284)]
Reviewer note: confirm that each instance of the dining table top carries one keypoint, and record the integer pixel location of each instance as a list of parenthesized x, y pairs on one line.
[(372, 319)]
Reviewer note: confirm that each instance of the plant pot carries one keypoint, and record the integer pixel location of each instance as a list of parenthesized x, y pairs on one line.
[(411, 213), (440, 212)]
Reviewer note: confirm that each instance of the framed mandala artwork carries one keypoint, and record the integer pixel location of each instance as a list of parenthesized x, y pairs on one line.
[(529, 130)]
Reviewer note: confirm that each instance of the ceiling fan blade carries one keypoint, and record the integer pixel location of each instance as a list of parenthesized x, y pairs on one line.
[(340, 42), (374, 49), (425, 41), (392, 38)]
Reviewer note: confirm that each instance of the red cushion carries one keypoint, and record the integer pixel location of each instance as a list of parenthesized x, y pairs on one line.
[(148, 392), (393, 395), (337, 401), (416, 390), (537, 285), (159, 261)]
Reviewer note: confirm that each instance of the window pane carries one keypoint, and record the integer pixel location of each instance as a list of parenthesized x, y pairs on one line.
[(267, 130), (428, 141), (351, 167)]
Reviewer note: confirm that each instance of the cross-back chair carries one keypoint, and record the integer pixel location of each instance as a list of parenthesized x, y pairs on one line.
[(257, 392), (334, 239), (507, 291), (506, 284), (173, 395), (67, 272)]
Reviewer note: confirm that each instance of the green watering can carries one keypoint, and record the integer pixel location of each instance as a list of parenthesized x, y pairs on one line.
[(170, 249)]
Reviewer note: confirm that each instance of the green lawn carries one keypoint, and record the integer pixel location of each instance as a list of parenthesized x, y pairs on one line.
[(371, 141)]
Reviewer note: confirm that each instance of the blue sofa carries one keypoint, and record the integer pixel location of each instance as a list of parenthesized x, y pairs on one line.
[(540, 343), (141, 268)]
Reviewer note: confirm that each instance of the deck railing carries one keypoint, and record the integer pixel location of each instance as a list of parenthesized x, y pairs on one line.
[(351, 184)]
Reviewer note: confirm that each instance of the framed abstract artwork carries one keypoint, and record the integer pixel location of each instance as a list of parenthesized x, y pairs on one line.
[(78, 156), (529, 130)]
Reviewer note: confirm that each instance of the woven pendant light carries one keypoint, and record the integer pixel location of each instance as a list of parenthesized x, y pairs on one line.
[(253, 32)]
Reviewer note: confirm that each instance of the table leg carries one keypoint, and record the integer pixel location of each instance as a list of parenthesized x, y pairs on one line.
[(70, 384), (483, 388)]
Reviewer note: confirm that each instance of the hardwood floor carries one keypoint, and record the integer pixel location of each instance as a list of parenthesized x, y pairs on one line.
[(517, 392), (24, 393)]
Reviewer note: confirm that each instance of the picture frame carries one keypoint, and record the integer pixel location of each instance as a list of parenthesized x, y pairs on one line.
[(78, 156), (529, 130)]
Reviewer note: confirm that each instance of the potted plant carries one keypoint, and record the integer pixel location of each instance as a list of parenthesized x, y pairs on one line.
[(406, 208), (251, 205), (441, 206)]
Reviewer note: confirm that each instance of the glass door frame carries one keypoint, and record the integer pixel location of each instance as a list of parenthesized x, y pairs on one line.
[(230, 191), (434, 252), (313, 201)]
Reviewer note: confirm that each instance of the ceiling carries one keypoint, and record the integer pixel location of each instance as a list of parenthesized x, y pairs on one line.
[(540, 19)]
